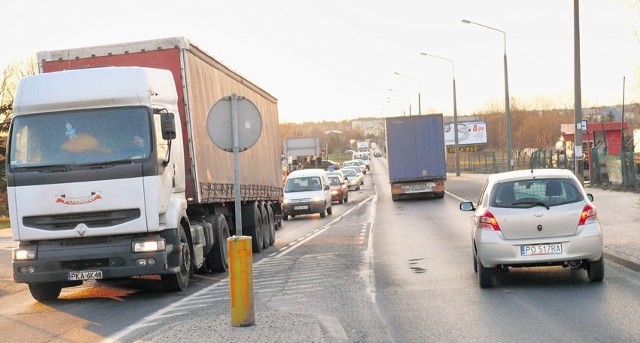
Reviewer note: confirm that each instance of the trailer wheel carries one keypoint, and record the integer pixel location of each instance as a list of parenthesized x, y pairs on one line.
[(218, 258), (45, 291), (266, 236), (252, 222), (271, 219), (179, 281), (285, 217)]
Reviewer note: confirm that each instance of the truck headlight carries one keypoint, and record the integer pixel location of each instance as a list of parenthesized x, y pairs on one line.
[(25, 254), (149, 245)]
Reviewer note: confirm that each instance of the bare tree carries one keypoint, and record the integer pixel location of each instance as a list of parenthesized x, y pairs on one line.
[(8, 84)]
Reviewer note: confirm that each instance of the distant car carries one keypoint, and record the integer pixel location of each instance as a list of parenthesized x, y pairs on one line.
[(532, 218), (377, 153), (359, 173), (339, 189), (363, 164), (364, 157), (353, 182), (354, 163)]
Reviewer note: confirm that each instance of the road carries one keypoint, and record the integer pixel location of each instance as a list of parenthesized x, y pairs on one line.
[(374, 271)]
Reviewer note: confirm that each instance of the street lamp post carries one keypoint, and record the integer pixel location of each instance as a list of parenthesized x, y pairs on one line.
[(506, 92), (455, 110), (405, 93), (394, 101), (417, 80)]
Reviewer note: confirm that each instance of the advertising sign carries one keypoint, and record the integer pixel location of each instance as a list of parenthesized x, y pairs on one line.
[(470, 132)]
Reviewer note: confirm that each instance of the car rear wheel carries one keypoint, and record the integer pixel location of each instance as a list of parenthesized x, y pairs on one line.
[(595, 270), (485, 275), (323, 213)]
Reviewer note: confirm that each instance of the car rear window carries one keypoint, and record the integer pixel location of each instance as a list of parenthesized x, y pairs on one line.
[(533, 192)]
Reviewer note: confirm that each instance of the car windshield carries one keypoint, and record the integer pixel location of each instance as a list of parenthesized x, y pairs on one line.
[(80, 137), (303, 184), (535, 192), (334, 180)]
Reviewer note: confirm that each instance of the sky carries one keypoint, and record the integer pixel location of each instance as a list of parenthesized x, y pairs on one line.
[(345, 59)]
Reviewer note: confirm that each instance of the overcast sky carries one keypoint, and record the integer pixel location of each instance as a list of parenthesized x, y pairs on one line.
[(337, 59)]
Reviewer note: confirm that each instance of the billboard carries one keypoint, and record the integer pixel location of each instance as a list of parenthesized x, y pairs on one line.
[(469, 132)]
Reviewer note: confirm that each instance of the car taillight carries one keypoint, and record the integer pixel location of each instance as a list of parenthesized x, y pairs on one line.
[(588, 215), (487, 221)]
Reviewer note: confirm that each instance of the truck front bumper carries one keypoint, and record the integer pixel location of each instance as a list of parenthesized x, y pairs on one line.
[(113, 257)]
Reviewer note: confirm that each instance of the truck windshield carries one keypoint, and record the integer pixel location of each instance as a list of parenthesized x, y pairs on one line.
[(80, 137)]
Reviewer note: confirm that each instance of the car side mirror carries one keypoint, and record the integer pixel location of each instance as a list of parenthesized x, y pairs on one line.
[(467, 206), (327, 187), (168, 126), (590, 196)]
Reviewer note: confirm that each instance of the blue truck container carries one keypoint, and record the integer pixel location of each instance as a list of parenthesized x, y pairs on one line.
[(416, 156)]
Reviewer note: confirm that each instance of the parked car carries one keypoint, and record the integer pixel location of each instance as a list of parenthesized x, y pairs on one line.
[(359, 173), (306, 191), (355, 163), (532, 218), (339, 189), (353, 182)]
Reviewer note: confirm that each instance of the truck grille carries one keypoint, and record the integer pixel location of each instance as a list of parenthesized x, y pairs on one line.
[(90, 219)]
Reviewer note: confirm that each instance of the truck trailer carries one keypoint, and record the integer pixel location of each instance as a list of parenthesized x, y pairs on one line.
[(111, 172), (416, 156)]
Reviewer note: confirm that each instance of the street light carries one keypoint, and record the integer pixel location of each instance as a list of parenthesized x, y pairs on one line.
[(455, 109), (405, 93), (417, 80), (506, 92), (394, 101)]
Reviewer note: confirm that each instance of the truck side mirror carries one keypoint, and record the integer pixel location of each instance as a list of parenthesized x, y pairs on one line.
[(168, 125)]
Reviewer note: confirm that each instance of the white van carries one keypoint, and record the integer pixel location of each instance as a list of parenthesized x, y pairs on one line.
[(306, 191)]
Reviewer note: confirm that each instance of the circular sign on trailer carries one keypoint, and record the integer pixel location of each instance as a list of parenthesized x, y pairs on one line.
[(220, 120)]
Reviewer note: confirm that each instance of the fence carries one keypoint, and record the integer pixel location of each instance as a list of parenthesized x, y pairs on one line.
[(600, 169)]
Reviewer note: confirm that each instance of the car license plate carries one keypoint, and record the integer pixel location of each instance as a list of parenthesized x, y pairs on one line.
[(541, 249), (84, 275), (302, 207)]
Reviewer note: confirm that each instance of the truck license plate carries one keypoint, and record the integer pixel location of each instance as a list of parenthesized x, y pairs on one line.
[(541, 249), (84, 275)]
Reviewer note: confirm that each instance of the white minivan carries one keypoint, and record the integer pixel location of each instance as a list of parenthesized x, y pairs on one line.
[(306, 191)]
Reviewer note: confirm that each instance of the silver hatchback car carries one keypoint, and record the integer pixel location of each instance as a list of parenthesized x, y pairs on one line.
[(532, 218)]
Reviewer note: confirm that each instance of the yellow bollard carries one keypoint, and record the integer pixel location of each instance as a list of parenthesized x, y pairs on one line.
[(241, 280)]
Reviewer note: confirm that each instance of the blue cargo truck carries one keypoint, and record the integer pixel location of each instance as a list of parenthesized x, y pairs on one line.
[(416, 156)]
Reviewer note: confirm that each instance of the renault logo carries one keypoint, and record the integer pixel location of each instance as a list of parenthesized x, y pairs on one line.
[(538, 214), (81, 229)]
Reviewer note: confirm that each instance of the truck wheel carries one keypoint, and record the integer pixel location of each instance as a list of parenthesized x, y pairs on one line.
[(395, 197), (218, 258), (285, 217), (266, 239), (45, 291), (252, 226), (439, 195), (179, 281), (272, 224)]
